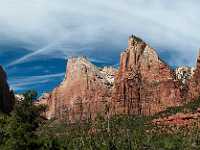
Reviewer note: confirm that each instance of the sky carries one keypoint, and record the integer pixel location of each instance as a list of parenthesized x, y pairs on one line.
[(37, 36)]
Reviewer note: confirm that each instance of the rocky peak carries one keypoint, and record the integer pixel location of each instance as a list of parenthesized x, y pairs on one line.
[(144, 83), (84, 92), (81, 67), (78, 66), (132, 54), (140, 57), (139, 53), (134, 40)]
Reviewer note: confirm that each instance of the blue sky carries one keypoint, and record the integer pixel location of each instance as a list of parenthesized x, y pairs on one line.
[(37, 36)]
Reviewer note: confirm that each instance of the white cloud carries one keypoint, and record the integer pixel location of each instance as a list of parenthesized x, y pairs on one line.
[(76, 26)]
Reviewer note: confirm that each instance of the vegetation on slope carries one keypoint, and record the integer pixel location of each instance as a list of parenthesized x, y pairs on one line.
[(186, 108), (24, 129)]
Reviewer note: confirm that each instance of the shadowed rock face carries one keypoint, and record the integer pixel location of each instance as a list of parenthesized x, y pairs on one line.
[(143, 85), (6, 96), (85, 91)]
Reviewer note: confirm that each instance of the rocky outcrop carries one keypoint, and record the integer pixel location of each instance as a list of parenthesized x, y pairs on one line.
[(143, 85), (6, 96), (85, 92), (179, 119)]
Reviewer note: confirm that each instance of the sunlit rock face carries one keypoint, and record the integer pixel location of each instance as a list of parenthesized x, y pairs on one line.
[(6, 96), (143, 85), (85, 92)]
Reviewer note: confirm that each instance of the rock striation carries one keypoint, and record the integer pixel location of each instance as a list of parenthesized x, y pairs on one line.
[(6, 96), (143, 85)]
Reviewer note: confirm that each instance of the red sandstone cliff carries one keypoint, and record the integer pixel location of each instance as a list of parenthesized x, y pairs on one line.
[(85, 91), (6, 96), (143, 85)]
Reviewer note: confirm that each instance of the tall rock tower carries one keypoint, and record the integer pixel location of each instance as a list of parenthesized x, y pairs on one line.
[(84, 93), (144, 84)]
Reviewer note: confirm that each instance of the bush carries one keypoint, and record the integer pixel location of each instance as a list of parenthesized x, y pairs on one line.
[(24, 129)]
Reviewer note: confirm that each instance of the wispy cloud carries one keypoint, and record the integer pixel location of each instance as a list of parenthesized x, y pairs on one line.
[(97, 29), (101, 25), (20, 83)]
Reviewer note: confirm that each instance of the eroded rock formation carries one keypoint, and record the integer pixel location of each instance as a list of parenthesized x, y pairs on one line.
[(83, 94), (143, 85), (6, 96)]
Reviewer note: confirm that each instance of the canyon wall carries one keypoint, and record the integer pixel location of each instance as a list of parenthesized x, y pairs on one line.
[(84, 93), (143, 85)]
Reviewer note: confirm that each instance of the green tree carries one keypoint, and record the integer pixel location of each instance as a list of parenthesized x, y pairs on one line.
[(21, 127)]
